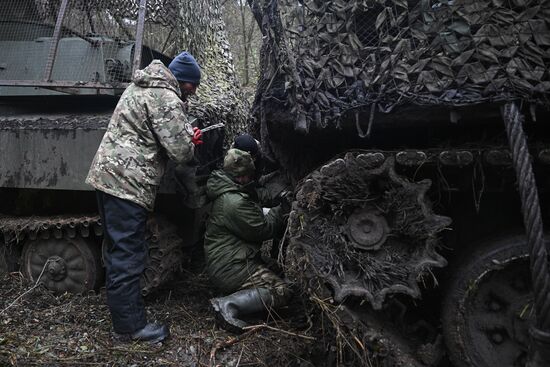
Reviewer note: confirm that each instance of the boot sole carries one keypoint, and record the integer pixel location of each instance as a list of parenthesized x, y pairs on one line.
[(156, 340), (128, 339), (221, 321)]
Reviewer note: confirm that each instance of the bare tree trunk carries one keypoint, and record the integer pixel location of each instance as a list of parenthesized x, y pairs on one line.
[(246, 43), (257, 12)]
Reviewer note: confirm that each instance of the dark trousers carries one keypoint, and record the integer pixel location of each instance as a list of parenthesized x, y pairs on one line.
[(124, 254)]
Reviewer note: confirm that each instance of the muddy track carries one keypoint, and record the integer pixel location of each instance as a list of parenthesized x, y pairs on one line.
[(165, 246)]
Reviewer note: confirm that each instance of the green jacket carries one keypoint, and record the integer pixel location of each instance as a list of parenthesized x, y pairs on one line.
[(148, 127), (235, 232)]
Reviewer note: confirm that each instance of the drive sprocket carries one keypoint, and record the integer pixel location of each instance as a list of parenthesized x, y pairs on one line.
[(363, 230)]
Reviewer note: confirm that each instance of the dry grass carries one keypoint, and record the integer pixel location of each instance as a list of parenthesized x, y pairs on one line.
[(68, 330)]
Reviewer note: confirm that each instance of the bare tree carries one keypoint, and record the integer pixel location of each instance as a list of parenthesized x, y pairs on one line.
[(245, 40)]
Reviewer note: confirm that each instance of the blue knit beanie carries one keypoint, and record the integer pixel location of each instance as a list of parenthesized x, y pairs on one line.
[(185, 68)]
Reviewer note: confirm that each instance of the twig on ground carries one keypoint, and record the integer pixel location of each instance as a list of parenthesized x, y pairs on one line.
[(265, 326), (28, 290), (240, 355), (65, 361), (227, 343), (280, 257), (249, 330), (130, 350)]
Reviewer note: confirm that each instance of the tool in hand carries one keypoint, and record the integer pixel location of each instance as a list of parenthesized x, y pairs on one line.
[(213, 127)]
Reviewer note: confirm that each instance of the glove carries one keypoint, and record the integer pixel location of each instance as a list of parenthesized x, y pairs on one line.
[(197, 136)]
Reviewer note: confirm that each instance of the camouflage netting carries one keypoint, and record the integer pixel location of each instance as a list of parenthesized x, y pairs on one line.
[(335, 57), (171, 26), (219, 97)]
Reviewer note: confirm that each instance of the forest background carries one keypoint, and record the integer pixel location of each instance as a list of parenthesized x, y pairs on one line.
[(245, 39)]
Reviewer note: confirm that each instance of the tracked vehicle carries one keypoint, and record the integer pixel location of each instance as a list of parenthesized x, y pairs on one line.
[(63, 66), (406, 229)]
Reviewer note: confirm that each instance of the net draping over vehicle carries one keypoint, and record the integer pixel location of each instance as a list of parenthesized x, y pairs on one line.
[(340, 56), (96, 48)]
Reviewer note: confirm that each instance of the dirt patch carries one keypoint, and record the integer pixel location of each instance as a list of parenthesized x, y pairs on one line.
[(71, 330)]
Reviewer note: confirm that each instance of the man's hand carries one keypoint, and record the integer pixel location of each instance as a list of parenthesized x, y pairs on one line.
[(197, 136)]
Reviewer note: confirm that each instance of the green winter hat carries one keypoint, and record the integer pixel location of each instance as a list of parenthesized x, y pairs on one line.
[(238, 163)]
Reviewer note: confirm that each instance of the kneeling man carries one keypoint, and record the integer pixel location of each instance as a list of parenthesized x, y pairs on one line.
[(234, 234)]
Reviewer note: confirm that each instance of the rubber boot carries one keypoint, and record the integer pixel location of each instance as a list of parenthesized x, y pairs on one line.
[(230, 309), (152, 333)]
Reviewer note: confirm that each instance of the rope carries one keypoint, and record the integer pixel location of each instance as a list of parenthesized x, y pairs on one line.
[(531, 214)]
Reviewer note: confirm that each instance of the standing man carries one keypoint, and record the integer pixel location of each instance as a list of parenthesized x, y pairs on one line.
[(234, 234), (148, 127)]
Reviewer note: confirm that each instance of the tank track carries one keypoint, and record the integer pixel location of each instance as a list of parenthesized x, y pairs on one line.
[(496, 156), (363, 229), (377, 341), (17, 229), (321, 192), (165, 254), (331, 269)]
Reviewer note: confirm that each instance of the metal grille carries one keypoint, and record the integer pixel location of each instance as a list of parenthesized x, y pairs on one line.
[(93, 47), (338, 56), (82, 44)]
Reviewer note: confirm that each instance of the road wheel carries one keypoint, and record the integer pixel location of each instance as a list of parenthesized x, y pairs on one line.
[(63, 264), (489, 306)]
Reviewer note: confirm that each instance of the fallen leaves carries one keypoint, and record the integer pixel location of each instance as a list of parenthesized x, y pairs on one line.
[(71, 330)]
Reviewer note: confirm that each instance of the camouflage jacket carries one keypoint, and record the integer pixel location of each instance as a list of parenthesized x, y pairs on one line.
[(235, 231), (148, 126)]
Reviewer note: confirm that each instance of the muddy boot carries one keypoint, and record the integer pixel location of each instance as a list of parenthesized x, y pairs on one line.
[(230, 309)]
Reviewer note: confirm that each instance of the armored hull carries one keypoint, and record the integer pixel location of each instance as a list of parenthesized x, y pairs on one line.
[(389, 118)]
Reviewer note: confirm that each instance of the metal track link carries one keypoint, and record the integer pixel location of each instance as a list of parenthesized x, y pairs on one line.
[(459, 157), (17, 229), (165, 253)]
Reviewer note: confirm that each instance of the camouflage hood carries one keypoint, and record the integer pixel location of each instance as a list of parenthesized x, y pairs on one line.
[(156, 75), (219, 183), (238, 163)]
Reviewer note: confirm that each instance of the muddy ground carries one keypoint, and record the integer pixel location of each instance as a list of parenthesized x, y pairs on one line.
[(41, 329)]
